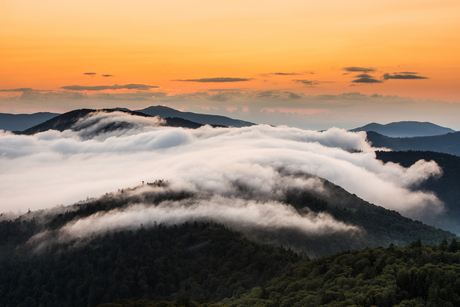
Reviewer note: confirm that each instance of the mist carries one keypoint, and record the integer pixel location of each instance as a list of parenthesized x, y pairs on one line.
[(254, 164)]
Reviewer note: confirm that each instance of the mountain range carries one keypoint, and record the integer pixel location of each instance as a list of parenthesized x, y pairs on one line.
[(447, 143), (406, 129), (175, 118), (64, 257)]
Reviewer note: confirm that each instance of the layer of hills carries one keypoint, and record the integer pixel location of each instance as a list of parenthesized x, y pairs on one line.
[(175, 118), (447, 143), (20, 122), (406, 129), (201, 260), (68, 120)]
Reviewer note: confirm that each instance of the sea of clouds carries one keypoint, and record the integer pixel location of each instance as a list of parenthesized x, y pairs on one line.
[(238, 175)]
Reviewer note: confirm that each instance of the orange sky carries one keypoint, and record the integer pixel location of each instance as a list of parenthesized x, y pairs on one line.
[(48, 44)]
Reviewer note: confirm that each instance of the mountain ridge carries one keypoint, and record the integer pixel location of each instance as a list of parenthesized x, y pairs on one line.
[(203, 119), (447, 143), (405, 129)]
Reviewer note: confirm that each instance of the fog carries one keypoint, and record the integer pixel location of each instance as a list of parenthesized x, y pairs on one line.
[(53, 168)]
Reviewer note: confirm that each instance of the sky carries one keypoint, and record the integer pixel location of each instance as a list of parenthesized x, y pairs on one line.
[(306, 64)]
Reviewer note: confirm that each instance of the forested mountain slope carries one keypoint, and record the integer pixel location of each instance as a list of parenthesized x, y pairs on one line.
[(197, 260), (415, 275), (445, 187)]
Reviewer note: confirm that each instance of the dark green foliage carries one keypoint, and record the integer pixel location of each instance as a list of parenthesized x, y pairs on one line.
[(146, 303), (199, 260), (416, 275)]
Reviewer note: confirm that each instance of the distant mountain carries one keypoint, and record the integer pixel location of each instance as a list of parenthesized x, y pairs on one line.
[(204, 119), (406, 129), (67, 120), (445, 187), (447, 143), (19, 122)]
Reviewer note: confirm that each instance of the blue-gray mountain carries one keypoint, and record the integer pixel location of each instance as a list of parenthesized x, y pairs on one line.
[(406, 129), (445, 187), (19, 122), (447, 143), (204, 119), (175, 118)]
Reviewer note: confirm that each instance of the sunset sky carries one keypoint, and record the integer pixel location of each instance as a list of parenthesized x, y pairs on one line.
[(309, 64)]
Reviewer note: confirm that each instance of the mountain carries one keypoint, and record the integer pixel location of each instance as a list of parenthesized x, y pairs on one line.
[(406, 129), (447, 143), (445, 187), (415, 275), (204, 119), (68, 120), (196, 261), (19, 122), (68, 256)]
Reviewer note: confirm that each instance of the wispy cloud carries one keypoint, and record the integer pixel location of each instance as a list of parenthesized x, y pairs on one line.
[(358, 69), (285, 74), (307, 82), (217, 80), (403, 76), (106, 76), (141, 87), (21, 89), (365, 78), (89, 73)]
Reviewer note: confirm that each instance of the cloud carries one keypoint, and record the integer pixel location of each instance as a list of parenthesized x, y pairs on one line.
[(22, 89), (294, 96), (403, 76), (89, 73), (220, 79), (366, 79), (307, 82), (285, 73), (239, 214), (106, 76), (248, 165), (141, 87), (363, 76), (225, 89), (358, 69), (129, 96)]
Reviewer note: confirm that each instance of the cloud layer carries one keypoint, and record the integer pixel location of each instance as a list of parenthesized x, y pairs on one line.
[(216, 80), (53, 167), (142, 87)]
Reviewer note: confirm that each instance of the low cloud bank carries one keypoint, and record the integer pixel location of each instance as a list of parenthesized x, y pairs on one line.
[(256, 163), (239, 214)]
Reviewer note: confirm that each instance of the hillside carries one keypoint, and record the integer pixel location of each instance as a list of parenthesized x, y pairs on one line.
[(68, 120), (51, 256), (196, 260), (445, 187), (448, 143), (19, 122), (406, 129), (204, 119), (415, 275)]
